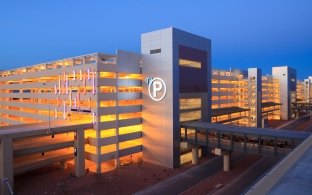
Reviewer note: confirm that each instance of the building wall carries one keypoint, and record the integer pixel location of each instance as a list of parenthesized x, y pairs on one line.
[(304, 90), (307, 89), (28, 93), (119, 107), (271, 93), (300, 91), (161, 131), (224, 89), (97, 88), (255, 96), (267, 89), (230, 88), (287, 77)]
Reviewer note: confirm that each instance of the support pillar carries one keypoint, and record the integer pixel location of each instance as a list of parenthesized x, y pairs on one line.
[(79, 151), (226, 161), (98, 166), (117, 162), (195, 158), (64, 165), (6, 166)]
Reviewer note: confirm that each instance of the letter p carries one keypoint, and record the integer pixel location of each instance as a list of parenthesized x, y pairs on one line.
[(157, 86)]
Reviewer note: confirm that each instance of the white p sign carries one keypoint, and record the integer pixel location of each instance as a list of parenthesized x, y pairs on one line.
[(157, 89)]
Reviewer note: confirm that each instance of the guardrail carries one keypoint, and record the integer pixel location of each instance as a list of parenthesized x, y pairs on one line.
[(286, 162), (7, 182)]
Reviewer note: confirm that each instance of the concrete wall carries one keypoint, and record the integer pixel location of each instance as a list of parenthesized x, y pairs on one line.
[(161, 131), (255, 95), (159, 120), (275, 175), (58, 81), (308, 89), (287, 77)]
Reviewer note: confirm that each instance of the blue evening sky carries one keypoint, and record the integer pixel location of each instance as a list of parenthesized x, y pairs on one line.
[(244, 33)]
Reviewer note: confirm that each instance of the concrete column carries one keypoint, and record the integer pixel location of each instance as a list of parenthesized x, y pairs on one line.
[(6, 166), (195, 158), (117, 162), (79, 154), (98, 165), (64, 165), (226, 161)]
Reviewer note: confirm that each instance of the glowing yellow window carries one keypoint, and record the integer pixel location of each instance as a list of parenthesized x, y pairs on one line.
[(130, 102), (106, 118), (130, 115), (108, 148), (109, 75), (109, 103), (130, 76), (131, 143), (190, 63), (190, 103), (130, 129), (108, 133), (108, 89)]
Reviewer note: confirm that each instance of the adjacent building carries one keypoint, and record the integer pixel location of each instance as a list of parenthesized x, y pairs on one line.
[(271, 98), (99, 88), (304, 90), (287, 77), (230, 97), (300, 91), (307, 90)]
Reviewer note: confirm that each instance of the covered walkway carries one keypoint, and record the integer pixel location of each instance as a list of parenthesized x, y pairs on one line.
[(262, 141), (224, 139)]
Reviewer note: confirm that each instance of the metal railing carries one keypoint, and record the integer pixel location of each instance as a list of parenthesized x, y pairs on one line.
[(7, 182)]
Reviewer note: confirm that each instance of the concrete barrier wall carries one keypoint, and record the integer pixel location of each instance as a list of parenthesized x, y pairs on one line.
[(273, 177)]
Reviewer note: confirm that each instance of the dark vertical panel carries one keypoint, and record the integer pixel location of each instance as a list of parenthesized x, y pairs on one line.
[(193, 79)]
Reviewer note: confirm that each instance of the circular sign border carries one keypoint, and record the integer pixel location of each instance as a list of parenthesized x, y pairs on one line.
[(149, 89)]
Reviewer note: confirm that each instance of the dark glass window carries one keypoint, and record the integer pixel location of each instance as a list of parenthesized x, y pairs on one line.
[(153, 51)]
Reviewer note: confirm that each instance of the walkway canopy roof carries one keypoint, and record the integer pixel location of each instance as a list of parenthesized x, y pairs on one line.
[(228, 110), (269, 104), (248, 130), (30, 130)]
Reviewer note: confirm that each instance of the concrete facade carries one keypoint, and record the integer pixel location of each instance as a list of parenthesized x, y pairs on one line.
[(288, 80), (97, 88), (161, 54), (270, 94), (255, 96), (290, 176), (308, 89), (304, 90)]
